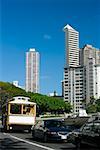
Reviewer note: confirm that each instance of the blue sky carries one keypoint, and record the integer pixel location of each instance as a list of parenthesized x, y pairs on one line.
[(38, 24)]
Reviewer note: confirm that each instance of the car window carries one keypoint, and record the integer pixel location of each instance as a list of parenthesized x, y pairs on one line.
[(58, 124), (87, 127), (96, 127), (54, 124)]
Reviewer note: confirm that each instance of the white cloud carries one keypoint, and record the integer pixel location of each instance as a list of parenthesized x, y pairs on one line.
[(47, 37)]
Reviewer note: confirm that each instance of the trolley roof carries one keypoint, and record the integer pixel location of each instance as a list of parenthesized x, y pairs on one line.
[(21, 100)]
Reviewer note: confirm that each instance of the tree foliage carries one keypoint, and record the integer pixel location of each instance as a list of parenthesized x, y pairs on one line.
[(93, 106), (44, 103)]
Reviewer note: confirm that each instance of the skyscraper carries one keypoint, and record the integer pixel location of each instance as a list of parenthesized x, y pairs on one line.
[(74, 87), (92, 80), (71, 46), (73, 73), (90, 59), (32, 71), (88, 51), (81, 72)]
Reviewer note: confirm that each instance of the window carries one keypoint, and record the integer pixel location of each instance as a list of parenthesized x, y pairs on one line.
[(54, 124), (96, 127), (15, 109), (28, 109)]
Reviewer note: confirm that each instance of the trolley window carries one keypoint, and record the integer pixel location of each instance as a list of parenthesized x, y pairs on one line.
[(15, 109)]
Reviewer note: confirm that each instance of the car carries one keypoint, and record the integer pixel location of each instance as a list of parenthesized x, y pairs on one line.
[(51, 129), (89, 135), (73, 135)]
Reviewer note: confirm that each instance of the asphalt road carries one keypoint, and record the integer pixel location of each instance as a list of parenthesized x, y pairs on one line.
[(24, 141)]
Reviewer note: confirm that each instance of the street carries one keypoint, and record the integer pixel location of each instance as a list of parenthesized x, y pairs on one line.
[(24, 141)]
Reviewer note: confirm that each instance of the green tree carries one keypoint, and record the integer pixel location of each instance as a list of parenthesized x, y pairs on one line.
[(91, 108), (92, 100), (44, 103), (98, 105)]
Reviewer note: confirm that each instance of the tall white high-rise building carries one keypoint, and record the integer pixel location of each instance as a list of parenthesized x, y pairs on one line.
[(92, 80), (74, 87), (81, 72), (88, 51), (90, 59), (97, 84), (32, 71), (71, 46), (73, 73)]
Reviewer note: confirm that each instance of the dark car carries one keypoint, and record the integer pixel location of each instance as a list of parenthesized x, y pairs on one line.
[(51, 130), (73, 135), (89, 135)]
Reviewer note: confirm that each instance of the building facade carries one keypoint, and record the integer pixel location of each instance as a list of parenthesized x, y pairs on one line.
[(81, 72), (90, 59), (74, 87), (97, 70), (88, 51), (16, 83), (32, 71), (71, 46), (92, 80)]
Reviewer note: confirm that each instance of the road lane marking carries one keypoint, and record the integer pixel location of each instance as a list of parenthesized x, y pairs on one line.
[(38, 145)]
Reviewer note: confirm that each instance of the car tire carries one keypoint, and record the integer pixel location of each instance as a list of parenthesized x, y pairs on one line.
[(33, 135), (45, 138), (78, 146), (78, 143)]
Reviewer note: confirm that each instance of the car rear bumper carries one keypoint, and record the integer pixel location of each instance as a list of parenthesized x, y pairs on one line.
[(56, 138)]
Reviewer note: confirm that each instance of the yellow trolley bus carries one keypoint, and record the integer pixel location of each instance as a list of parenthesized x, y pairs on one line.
[(18, 114)]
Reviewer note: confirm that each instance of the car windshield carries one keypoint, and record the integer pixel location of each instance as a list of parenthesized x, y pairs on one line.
[(53, 123), (58, 124)]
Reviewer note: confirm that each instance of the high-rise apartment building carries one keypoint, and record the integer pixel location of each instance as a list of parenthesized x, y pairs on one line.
[(97, 84), (81, 72), (73, 74), (92, 80), (71, 46), (32, 71), (90, 59), (74, 87), (88, 51)]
